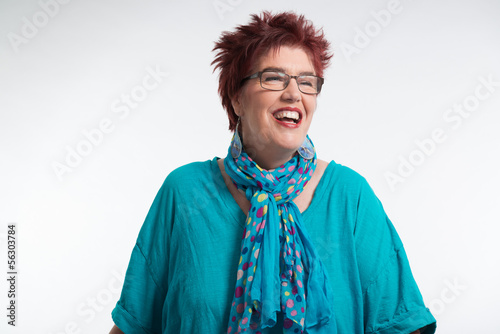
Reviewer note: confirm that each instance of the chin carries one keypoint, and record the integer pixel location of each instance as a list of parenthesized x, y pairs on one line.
[(292, 141), (290, 146)]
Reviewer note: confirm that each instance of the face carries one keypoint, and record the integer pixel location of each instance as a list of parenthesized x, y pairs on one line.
[(263, 133)]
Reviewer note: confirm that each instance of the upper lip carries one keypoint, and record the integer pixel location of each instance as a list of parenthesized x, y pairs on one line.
[(289, 109)]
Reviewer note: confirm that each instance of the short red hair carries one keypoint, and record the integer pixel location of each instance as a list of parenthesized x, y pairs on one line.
[(238, 50)]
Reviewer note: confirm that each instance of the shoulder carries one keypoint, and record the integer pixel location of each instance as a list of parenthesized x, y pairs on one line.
[(187, 175), (343, 178), (342, 184)]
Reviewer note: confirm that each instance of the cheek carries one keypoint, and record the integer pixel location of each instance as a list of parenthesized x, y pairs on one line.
[(310, 106), (259, 106)]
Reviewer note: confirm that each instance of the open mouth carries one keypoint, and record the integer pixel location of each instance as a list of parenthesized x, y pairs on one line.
[(287, 116)]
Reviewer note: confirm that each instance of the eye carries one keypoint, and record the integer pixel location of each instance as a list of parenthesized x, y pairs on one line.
[(307, 81), (273, 77)]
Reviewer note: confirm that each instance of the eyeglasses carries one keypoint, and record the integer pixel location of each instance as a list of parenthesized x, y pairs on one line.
[(273, 80)]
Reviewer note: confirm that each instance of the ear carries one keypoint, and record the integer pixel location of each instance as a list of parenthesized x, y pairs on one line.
[(235, 102)]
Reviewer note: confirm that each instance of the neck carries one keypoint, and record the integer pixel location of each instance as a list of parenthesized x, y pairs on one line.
[(270, 159)]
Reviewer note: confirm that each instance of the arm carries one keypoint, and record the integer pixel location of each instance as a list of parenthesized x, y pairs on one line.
[(116, 330), (392, 299), (145, 285)]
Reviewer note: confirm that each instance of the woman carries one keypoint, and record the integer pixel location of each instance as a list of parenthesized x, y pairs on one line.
[(240, 244)]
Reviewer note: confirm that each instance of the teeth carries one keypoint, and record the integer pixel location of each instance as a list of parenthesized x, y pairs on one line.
[(288, 114)]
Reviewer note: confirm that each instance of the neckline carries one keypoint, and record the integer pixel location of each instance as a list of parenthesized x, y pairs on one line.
[(233, 207)]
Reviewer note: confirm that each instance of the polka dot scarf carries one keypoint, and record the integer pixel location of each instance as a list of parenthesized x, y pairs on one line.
[(279, 269)]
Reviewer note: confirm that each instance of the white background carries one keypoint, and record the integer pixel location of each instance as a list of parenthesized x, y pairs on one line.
[(76, 231)]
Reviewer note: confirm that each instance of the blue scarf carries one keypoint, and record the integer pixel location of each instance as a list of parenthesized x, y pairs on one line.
[(279, 269)]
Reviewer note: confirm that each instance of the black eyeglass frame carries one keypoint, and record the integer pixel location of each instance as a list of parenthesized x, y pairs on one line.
[(321, 81)]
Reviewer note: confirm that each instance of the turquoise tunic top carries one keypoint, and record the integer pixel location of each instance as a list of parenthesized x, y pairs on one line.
[(182, 271)]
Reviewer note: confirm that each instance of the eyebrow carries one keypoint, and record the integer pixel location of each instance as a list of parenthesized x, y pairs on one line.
[(281, 69)]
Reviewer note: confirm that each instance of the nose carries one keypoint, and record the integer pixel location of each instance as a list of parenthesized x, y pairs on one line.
[(292, 92)]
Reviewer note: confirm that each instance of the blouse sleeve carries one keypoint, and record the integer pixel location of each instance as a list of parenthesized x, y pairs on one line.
[(139, 309), (391, 298)]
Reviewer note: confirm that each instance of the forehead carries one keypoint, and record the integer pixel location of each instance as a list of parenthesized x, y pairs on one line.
[(293, 60)]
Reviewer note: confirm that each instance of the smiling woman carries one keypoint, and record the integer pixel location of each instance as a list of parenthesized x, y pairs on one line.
[(269, 239), (263, 112)]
